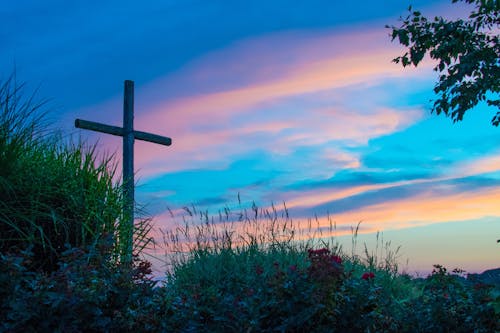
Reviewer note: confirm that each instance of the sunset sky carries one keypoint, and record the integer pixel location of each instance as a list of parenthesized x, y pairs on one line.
[(277, 101)]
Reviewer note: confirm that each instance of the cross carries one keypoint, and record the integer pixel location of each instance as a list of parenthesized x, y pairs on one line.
[(129, 135)]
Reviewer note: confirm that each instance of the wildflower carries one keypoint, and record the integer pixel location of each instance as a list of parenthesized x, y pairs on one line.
[(259, 270), (336, 259), (368, 276), (292, 268)]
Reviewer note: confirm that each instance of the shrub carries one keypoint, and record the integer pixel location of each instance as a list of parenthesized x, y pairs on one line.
[(448, 303), (85, 294)]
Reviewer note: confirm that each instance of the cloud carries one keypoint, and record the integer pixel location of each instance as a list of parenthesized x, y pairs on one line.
[(464, 192), (426, 207), (309, 74), (295, 113), (482, 165), (293, 105), (303, 115)]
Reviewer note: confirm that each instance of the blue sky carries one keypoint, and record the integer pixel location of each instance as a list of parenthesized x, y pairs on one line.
[(294, 102)]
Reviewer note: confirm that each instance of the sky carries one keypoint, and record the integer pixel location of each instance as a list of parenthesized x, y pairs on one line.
[(273, 102)]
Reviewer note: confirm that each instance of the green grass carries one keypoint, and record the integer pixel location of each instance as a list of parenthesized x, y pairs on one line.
[(54, 191)]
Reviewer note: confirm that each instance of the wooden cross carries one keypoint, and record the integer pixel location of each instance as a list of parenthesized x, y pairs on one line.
[(129, 135)]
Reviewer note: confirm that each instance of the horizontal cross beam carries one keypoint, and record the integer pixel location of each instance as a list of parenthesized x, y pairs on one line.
[(118, 131)]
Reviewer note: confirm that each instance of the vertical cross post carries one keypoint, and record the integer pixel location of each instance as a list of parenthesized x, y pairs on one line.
[(128, 167), (127, 132)]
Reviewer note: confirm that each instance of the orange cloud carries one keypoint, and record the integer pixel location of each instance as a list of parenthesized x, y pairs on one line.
[(422, 209), (310, 198), (482, 165)]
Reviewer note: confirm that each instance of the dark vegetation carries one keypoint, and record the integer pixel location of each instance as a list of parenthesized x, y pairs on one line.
[(60, 269)]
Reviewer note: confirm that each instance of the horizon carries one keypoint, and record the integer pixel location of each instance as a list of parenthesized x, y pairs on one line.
[(274, 103)]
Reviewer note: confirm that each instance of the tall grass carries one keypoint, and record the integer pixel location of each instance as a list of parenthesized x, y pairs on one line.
[(54, 192), (266, 229), (206, 251), (258, 270)]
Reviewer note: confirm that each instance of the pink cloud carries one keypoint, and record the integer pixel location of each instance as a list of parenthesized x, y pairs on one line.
[(203, 123), (215, 124), (311, 198), (481, 165), (423, 209), (309, 128), (309, 78)]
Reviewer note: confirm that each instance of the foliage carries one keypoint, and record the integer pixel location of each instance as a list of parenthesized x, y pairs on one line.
[(247, 288), (447, 301), (291, 298), (85, 294), (54, 193), (228, 285), (467, 53)]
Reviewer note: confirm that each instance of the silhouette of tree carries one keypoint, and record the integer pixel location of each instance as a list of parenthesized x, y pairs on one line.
[(467, 55)]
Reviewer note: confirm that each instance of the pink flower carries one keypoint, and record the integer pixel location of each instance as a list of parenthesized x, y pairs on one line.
[(368, 276)]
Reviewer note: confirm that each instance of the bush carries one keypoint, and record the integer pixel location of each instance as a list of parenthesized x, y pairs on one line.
[(448, 303), (85, 294), (236, 291)]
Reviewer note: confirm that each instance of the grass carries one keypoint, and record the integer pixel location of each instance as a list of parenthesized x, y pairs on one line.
[(252, 270), (268, 230), (257, 270), (54, 192)]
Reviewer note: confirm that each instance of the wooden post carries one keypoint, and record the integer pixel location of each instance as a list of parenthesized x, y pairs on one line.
[(126, 232), (128, 168)]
